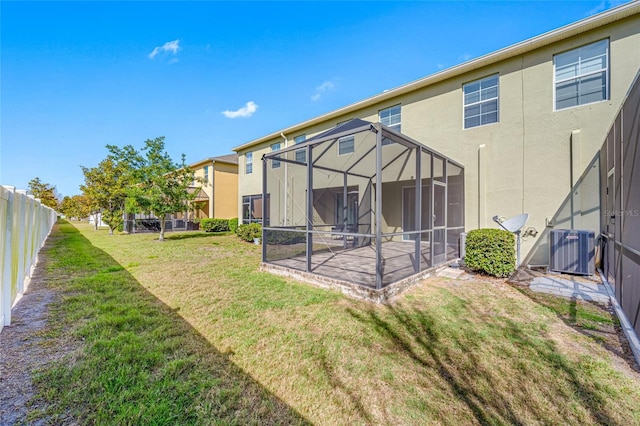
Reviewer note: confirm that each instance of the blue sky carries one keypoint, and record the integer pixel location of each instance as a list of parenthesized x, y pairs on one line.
[(210, 76)]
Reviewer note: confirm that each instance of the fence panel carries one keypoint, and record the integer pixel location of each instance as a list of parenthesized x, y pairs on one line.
[(621, 190), (25, 224)]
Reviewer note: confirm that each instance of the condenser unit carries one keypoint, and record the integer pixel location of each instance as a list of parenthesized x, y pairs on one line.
[(572, 251)]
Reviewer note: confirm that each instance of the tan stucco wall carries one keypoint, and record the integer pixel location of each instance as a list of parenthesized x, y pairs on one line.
[(225, 188), (525, 164), (198, 170)]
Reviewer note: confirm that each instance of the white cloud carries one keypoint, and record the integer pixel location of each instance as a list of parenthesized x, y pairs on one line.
[(322, 89), (170, 46), (604, 5), (465, 57), (244, 112)]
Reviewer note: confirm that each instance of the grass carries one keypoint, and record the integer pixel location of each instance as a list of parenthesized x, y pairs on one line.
[(137, 361), (190, 332)]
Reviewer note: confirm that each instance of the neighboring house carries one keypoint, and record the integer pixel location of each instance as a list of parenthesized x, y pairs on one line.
[(219, 186), (526, 122), (217, 191)]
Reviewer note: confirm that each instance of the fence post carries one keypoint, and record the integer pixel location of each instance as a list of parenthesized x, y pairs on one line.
[(21, 219), (6, 259)]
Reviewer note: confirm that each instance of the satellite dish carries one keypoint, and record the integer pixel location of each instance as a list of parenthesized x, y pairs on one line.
[(514, 224)]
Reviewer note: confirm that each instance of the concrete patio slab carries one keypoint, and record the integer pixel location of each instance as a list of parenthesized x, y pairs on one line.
[(570, 288)]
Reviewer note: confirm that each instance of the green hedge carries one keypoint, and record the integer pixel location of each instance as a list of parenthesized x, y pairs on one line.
[(285, 238), (250, 231), (233, 225), (214, 225), (491, 251)]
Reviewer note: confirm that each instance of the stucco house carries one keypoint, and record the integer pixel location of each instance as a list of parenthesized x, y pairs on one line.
[(525, 123), (217, 186)]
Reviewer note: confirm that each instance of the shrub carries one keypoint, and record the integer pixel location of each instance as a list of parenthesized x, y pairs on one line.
[(250, 231), (233, 225), (285, 238), (491, 251), (214, 225)]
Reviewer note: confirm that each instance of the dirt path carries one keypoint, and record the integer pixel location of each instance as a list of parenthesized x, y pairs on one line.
[(21, 348)]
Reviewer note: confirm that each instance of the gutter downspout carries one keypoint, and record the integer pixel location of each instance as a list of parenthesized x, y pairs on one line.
[(286, 182)]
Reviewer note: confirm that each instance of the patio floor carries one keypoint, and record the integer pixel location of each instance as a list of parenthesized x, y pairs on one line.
[(358, 265)]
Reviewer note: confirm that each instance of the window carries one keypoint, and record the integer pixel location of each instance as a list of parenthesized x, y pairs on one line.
[(252, 209), (581, 75), (481, 102), (206, 174), (345, 145), (248, 163), (301, 154), (275, 164), (391, 117)]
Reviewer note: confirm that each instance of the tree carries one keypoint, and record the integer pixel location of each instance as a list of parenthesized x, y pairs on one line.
[(77, 206), (45, 192), (162, 185), (106, 187)]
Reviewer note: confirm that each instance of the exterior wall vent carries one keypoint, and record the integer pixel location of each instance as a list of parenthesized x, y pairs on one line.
[(572, 251)]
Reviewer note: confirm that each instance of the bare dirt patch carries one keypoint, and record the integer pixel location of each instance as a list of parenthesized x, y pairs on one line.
[(22, 351)]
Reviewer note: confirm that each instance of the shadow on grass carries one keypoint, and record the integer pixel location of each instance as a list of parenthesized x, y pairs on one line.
[(138, 361), (591, 319), (458, 356), (187, 235)]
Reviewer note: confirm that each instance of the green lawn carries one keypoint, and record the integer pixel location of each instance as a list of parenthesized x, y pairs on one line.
[(188, 331)]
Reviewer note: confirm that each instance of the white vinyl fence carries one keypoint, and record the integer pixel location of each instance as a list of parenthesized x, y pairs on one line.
[(25, 224)]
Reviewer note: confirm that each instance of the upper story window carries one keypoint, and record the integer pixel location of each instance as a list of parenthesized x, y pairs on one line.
[(206, 174), (275, 163), (301, 154), (481, 101), (391, 117), (248, 166), (581, 76), (346, 145)]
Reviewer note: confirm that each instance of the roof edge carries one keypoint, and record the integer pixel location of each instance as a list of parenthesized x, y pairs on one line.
[(212, 160), (587, 24)]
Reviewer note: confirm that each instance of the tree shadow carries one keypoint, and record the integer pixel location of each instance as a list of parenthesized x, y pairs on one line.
[(189, 366), (599, 334), (342, 389), (450, 356), (186, 235)]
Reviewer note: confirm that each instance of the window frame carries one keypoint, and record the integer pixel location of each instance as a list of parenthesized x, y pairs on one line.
[(607, 73), (248, 164), (297, 140), (205, 172), (249, 202), (397, 127), (275, 163), (345, 139), (481, 101)]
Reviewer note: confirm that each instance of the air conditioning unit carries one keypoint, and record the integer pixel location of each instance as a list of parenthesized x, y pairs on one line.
[(572, 251)]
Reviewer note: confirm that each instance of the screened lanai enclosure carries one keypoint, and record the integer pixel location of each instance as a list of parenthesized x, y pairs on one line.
[(361, 204)]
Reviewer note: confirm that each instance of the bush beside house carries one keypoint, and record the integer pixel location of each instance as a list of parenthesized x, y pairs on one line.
[(491, 251), (214, 225), (233, 225), (250, 231)]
